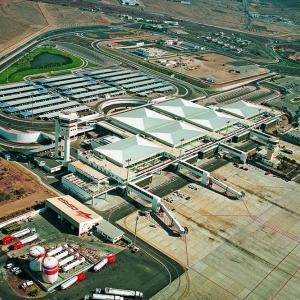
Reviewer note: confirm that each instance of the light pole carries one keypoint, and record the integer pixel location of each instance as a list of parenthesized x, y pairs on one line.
[(181, 145), (135, 229), (227, 127), (127, 176), (186, 247)]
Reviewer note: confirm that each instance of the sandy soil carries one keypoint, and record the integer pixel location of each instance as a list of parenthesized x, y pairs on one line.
[(22, 20), (214, 66), (18, 19), (227, 14), (12, 178)]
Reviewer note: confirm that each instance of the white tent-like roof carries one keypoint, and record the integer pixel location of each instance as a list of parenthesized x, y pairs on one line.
[(168, 131), (176, 133), (129, 151), (243, 109), (182, 108), (196, 114), (142, 119), (213, 120)]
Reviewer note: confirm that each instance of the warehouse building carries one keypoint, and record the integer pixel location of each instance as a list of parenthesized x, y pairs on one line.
[(109, 231), (79, 216), (84, 188)]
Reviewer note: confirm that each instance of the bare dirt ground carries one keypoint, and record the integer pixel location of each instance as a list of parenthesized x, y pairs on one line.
[(22, 188), (21, 20), (214, 66), (226, 14)]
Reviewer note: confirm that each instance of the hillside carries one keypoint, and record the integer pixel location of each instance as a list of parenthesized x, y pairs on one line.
[(21, 20)]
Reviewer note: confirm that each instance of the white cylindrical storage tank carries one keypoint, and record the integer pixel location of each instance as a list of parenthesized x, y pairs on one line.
[(20, 233), (36, 257), (54, 251), (50, 269), (66, 260), (62, 255), (74, 264)]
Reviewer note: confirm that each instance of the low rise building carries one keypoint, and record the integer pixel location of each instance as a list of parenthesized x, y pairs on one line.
[(80, 217)]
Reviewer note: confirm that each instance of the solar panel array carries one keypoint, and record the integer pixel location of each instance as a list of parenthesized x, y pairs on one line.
[(45, 98), (132, 82), (29, 99)]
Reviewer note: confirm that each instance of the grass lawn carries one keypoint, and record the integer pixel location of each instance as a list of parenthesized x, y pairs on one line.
[(23, 67)]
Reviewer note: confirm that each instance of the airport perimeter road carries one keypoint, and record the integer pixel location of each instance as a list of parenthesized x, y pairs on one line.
[(87, 54)]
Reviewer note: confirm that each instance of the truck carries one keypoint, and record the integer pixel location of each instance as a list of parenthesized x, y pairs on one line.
[(103, 297), (23, 242), (126, 293), (110, 259), (26, 284), (9, 238)]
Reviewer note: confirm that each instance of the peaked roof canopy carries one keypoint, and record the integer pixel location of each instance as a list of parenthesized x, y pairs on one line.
[(129, 151), (243, 109), (142, 119), (161, 127), (197, 114), (181, 108)]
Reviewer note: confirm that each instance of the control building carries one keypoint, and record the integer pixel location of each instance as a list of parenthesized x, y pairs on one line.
[(65, 127)]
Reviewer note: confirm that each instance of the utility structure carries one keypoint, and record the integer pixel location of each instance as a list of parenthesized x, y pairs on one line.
[(65, 128), (271, 148)]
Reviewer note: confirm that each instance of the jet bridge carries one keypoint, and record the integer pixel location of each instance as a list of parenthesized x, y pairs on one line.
[(208, 179), (259, 136), (156, 204), (146, 195), (241, 155)]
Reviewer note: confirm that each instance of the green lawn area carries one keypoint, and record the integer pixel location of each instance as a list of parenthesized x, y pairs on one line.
[(39, 60)]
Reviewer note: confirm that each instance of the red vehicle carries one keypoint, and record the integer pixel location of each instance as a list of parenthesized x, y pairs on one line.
[(21, 243), (9, 238)]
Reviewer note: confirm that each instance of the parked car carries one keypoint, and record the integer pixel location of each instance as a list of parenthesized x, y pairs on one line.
[(26, 284), (18, 272), (14, 269), (9, 266)]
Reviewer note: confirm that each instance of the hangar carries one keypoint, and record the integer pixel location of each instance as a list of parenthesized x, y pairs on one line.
[(77, 214)]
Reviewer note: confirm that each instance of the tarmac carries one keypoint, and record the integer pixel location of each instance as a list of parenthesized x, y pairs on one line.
[(235, 249)]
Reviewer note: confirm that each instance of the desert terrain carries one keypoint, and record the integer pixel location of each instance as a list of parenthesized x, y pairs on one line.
[(225, 14), (219, 68), (21, 20), (19, 189)]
